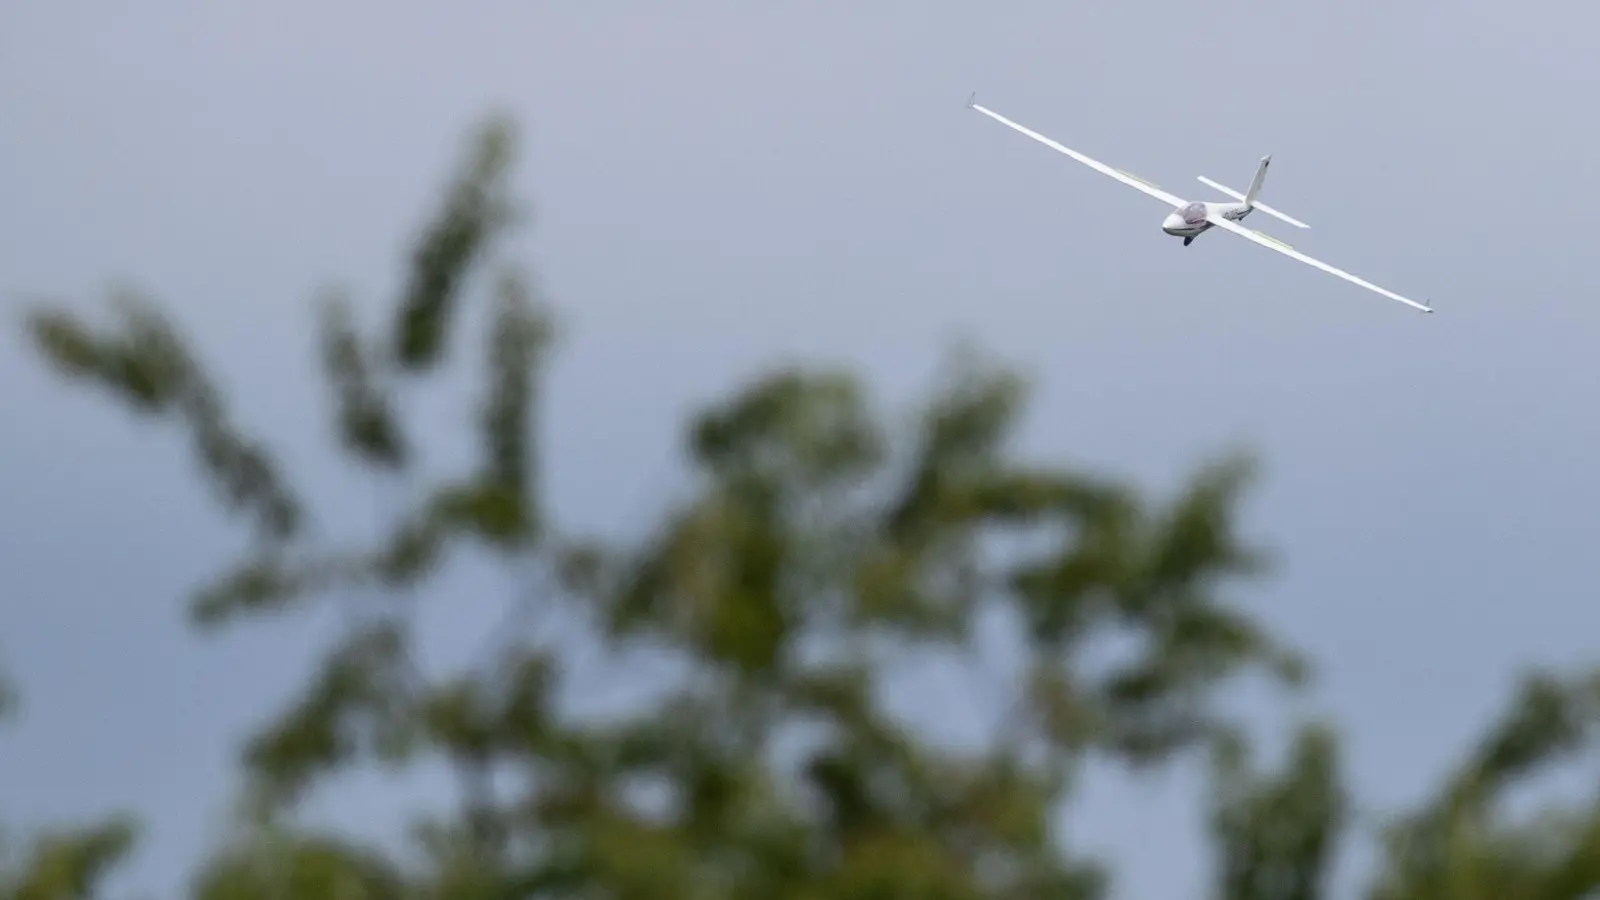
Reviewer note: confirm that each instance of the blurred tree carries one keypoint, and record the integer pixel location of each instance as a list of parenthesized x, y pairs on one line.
[(819, 551), (8, 698), (59, 865), (1465, 843), (1275, 836), (62, 863)]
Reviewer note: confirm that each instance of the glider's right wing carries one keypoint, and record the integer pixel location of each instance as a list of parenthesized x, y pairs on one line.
[(1270, 243), (1130, 180)]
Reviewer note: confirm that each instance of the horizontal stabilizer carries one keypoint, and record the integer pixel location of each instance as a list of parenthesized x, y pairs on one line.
[(1257, 204)]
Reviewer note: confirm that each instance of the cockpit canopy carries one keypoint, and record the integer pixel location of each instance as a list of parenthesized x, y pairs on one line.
[(1193, 214)]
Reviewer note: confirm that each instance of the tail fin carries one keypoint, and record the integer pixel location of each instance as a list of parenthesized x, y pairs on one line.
[(1249, 197), (1255, 183)]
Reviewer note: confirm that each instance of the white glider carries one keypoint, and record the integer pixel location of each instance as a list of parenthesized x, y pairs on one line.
[(1189, 220)]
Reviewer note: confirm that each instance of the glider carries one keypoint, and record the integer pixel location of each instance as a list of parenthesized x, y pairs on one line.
[(1189, 220)]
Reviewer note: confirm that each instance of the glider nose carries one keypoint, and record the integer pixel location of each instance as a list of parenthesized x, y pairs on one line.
[(1173, 222)]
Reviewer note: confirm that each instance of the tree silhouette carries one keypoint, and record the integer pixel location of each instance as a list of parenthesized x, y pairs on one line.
[(819, 551)]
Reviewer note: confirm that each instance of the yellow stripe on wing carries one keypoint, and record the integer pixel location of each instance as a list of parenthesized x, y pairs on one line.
[(1144, 181), (1267, 237)]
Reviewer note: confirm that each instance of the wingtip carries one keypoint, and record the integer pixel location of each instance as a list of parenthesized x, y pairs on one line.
[(972, 100)]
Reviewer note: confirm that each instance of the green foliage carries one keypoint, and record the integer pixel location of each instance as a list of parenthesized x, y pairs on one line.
[(366, 422), (61, 864), (278, 866), (1275, 835), (66, 865), (147, 365), (474, 211), (8, 698), (1464, 846), (819, 550)]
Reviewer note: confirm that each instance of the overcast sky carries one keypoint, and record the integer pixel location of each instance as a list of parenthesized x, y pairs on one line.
[(726, 184)]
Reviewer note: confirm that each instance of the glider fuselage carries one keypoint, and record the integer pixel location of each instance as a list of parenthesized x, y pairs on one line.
[(1189, 221)]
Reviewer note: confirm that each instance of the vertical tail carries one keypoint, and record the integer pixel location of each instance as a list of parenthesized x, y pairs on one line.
[(1255, 183), (1255, 189)]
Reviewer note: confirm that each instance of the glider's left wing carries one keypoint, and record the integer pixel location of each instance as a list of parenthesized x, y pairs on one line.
[(1286, 250), (1130, 180)]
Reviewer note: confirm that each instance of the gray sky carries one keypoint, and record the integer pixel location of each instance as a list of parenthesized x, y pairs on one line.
[(727, 184)]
